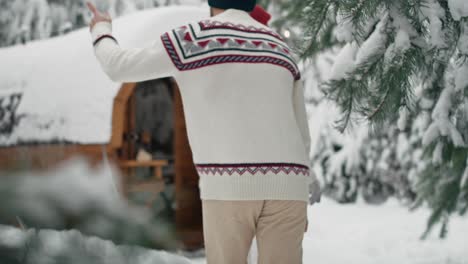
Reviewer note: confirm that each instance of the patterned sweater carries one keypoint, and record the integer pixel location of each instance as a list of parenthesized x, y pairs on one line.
[(243, 102)]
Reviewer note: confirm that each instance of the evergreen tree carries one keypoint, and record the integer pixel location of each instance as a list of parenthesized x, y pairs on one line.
[(350, 165), (22, 21), (389, 50)]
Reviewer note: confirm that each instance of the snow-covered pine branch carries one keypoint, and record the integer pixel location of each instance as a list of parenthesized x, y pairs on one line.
[(406, 63)]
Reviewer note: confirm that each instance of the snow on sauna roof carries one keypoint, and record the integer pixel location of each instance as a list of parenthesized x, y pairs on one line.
[(65, 94)]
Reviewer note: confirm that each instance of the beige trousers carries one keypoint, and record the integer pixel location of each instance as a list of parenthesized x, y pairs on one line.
[(230, 226)]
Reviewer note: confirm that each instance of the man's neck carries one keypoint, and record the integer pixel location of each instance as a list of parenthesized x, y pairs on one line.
[(216, 11)]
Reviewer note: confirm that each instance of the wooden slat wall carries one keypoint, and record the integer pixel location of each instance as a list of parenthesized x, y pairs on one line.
[(47, 156)]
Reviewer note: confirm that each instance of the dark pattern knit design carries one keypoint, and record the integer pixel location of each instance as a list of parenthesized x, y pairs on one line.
[(208, 24), (190, 50), (251, 168)]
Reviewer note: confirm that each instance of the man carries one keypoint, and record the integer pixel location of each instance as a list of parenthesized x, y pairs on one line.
[(246, 124)]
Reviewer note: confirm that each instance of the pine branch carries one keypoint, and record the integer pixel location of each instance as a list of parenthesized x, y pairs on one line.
[(380, 106), (418, 44)]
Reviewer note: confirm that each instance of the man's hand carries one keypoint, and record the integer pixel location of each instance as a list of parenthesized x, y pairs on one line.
[(97, 16), (316, 192)]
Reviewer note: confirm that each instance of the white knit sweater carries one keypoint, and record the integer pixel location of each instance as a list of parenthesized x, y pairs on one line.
[(243, 102)]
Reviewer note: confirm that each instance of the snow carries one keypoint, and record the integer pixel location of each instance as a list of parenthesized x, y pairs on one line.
[(403, 146), (373, 45), (458, 8), (64, 89), (401, 22), (88, 195), (344, 62), (402, 40), (54, 247), (349, 156), (72, 186), (385, 234), (435, 14), (464, 180), (345, 31), (344, 28), (461, 77), (323, 115), (361, 233), (402, 118), (463, 41), (437, 156), (441, 125), (352, 55), (79, 187)]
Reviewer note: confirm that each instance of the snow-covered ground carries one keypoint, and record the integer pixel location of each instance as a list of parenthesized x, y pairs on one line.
[(352, 234), (361, 234), (385, 234)]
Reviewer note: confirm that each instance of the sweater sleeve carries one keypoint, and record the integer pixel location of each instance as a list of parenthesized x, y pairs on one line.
[(302, 120), (301, 114), (129, 65)]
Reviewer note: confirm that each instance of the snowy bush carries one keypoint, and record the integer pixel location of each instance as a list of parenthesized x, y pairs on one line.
[(76, 196), (31, 246)]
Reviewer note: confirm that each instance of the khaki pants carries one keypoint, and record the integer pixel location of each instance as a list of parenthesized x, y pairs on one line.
[(230, 226)]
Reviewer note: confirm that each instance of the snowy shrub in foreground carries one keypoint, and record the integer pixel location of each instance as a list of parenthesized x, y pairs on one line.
[(71, 247), (76, 196)]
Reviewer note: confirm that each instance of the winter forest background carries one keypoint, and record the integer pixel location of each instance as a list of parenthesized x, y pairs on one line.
[(386, 87)]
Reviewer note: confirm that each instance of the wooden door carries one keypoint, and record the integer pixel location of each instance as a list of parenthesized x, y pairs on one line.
[(188, 204)]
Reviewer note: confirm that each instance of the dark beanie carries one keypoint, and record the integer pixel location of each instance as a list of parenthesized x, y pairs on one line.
[(246, 5)]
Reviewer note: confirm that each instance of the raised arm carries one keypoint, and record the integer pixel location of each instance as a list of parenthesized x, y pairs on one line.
[(127, 65)]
